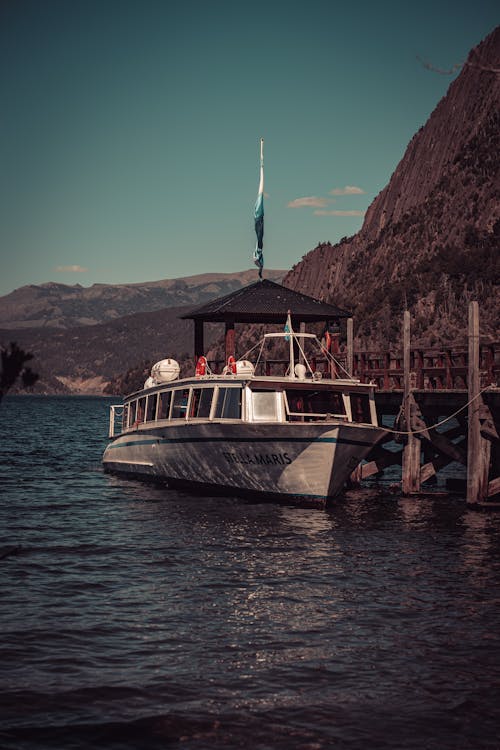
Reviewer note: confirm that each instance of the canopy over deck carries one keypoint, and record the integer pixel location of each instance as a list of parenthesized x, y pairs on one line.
[(261, 302)]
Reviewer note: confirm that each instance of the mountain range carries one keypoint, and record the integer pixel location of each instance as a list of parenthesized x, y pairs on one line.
[(54, 305), (87, 358)]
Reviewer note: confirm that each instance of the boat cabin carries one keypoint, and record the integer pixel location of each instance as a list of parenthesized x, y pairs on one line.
[(249, 400)]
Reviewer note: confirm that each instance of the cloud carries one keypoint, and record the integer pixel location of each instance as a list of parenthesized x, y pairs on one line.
[(347, 190), (339, 213), (71, 269), (309, 202)]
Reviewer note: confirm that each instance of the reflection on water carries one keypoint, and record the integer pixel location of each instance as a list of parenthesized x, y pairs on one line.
[(133, 616), (309, 521), (479, 543)]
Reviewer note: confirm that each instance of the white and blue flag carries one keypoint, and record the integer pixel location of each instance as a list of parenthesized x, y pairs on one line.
[(258, 256)]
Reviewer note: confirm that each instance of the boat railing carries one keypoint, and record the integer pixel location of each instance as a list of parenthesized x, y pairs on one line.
[(115, 415), (279, 367)]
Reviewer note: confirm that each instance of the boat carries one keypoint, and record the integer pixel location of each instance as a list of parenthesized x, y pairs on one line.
[(294, 437)]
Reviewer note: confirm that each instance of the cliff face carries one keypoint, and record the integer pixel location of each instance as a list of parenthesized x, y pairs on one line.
[(430, 240)]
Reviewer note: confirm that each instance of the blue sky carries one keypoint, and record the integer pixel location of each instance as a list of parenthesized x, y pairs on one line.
[(129, 131)]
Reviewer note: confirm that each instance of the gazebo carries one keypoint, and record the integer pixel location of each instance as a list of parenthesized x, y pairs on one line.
[(261, 302)]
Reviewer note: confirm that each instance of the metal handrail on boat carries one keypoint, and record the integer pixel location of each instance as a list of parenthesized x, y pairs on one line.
[(115, 411)]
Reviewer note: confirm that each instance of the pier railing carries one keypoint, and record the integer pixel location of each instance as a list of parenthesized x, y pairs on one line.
[(431, 368)]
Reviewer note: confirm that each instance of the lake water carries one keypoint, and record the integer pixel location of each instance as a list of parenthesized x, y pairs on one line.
[(138, 617)]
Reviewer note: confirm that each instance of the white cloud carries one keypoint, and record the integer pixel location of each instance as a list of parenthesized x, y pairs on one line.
[(347, 190), (71, 269), (339, 213), (309, 202)]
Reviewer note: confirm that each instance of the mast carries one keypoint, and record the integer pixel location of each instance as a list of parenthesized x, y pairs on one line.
[(289, 328)]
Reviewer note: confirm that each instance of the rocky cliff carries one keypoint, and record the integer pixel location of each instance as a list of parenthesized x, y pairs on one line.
[(430, 240)]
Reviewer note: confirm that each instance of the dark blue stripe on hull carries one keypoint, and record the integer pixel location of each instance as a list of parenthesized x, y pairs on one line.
[(157, 441)]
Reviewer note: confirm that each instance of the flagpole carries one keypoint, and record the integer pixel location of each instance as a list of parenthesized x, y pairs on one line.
[(259, 215), (261, 182)]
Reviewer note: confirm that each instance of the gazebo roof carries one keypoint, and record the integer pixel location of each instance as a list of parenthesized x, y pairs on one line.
[(265, 302)]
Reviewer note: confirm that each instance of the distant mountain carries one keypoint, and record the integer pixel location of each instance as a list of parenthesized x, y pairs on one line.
[(55, 305), (86, 359), (431, 238), (108, 349)]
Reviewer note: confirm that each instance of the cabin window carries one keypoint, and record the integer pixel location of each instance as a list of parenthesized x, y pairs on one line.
[(132, 406), (315, 403), (201, 403), (164, 404), (264, 406), (141, 410), (228, 403), (151, 409), (360, 407), (125, 416), (179, 403)]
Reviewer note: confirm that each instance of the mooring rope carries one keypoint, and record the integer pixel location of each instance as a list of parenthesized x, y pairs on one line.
[(438, 424), (338, 364)]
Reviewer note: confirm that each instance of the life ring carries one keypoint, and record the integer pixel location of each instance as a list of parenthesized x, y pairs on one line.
[(231, 364), (201, 366)]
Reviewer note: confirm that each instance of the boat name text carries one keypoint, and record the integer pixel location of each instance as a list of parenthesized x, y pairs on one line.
[(233, 457)]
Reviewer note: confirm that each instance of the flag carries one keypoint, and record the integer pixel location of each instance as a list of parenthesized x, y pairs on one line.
[(288, 326), (258, 257)]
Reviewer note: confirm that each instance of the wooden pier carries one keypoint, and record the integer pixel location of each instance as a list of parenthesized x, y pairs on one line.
[(440, 405), (446, 409)]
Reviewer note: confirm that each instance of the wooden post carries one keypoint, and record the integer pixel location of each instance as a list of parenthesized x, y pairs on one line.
[(411, 452), (198, 339), (334, 351), (419, 364), (362, 367), (478, 450), (230, 349), (448, 376), (490, 361), (350, 346), (387, 366)]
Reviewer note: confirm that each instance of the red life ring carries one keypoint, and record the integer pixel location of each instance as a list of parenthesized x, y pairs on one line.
[(231, 364), (201, 366)]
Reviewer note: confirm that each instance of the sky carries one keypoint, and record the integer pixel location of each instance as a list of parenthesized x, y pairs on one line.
[(130, 129)]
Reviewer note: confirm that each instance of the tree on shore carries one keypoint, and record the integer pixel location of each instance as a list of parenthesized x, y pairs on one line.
[(13, 366)]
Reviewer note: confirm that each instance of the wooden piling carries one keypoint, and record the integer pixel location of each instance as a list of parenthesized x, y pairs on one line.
[(411, 452), (229, 340), (478, 449), (474, 442), (350, 346), (198, 339)]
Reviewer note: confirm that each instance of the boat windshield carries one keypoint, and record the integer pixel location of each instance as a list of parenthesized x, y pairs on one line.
[(314, 403), (228, 404)]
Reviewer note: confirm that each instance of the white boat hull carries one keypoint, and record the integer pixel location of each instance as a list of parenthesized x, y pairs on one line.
[(306, 463)]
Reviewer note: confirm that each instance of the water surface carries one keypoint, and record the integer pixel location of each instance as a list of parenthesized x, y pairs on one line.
[(138, 617)]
